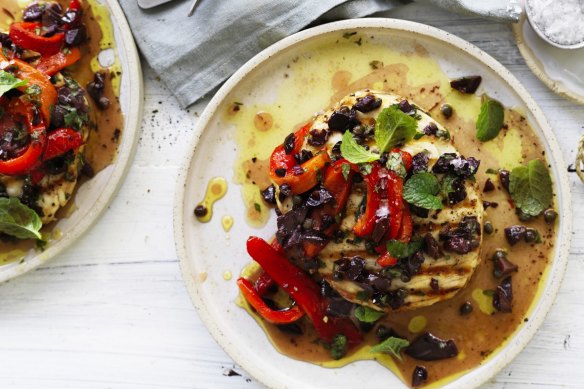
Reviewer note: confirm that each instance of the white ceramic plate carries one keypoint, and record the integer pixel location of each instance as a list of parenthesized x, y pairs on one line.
[(206, 252), (94, 196)]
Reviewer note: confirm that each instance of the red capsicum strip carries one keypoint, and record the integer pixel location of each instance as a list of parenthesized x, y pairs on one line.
[(280, 160), (303, 290), (254, 299), (340, 187), (366, 221), (24, 34), (24, 71), (60, 141), (395, 185), (52, 64), (37, 132)]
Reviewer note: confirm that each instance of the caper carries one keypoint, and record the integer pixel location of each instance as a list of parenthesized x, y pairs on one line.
[(200, 210), (549, 215), (522, 215), (499, 254), (530, 235), (488, 228), (446, 110), (466, 308)]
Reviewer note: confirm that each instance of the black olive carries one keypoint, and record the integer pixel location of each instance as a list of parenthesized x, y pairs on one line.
[(406, 107), (428, 347), (467, 84), (502, 266), (367, 103), (280, 172), (503, 298), (489, 186), (514, 234), (269, 194), (420, 163), (431, 246), (504, 178)]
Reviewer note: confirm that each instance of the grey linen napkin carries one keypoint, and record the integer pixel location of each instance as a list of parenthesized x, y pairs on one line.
[(194, 55)]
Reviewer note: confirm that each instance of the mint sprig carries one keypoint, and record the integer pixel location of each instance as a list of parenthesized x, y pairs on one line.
[(393, 127), (392, 346), (490, 120), (421, 190), (354, 152), (9, 81), (531, 187), (18, 220)]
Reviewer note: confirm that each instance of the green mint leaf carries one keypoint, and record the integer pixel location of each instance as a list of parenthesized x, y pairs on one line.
[(346, 169), (490, 120), (393, 127), (398, 249), (421, 190), (354, 152), (367, 315), (339, 346), (392, 346), (531, 187), (492, 171), (8, 82), (395, 163), (257, 207), (18, 220)]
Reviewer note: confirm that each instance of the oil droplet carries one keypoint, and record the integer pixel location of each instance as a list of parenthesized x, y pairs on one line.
[(485, 301), (417, 324), (216, 189), (227, 275), (227, 222), (263, 121)]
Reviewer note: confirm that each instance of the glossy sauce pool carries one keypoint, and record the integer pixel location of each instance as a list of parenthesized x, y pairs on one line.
[(101, 147), (319, 79)]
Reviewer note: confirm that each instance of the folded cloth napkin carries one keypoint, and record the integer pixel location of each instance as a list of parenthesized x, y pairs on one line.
[(194, 55)]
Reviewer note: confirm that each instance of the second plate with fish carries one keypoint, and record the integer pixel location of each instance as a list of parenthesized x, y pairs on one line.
[(278, 91)]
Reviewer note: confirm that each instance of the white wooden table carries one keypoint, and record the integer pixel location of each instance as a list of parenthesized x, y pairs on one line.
[(112, 311)]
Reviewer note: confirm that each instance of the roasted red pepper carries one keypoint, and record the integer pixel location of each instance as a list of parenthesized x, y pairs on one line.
[(395, 185), (252, 296), (48, 94), (28, 35), (340, 187), (60, 141), (366, 221), (386, 260), (52, 64), (31, 156), (285, 170), (303, 290)]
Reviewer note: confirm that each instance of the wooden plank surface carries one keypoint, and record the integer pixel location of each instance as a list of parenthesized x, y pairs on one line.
[(112, 312)]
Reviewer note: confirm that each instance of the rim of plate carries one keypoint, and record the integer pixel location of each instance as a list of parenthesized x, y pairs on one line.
[(123, 157), (537, 67), (540, 308)]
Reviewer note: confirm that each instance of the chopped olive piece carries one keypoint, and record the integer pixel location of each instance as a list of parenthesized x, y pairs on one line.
[(428, 347), (446, 110), (431, 246), (367, 103), (289, 143), (269, 194), (503, 266), (468, 84), (514, 234), (280, 172), (466, 308), (504, 178), (489, 186), (503, 298), (419, 376), (549, 215)]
